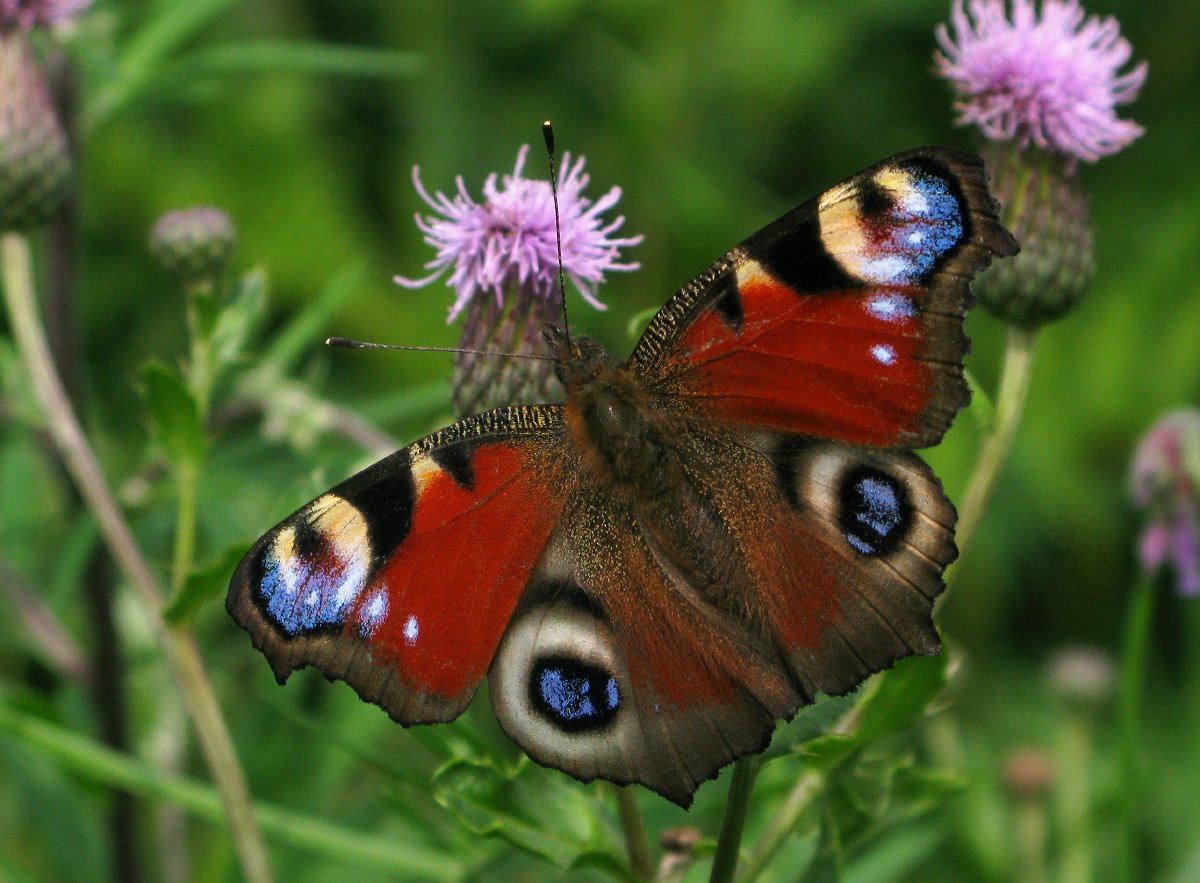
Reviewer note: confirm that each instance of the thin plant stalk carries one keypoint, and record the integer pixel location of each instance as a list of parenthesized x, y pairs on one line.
[(1130, 684), (638, 846), (729, 841), (783, 824), (1010, 404), (179, 649)]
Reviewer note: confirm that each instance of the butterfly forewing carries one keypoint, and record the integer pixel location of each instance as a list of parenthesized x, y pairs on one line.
[(842, 319), (402, 579)]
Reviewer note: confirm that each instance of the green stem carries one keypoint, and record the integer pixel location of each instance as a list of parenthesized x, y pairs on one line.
[(1129, 704), (1073, 803), (1030, 836), (729, 841), (179, 650), (807, 788), (199, 295), (640, 860), (1010, 402), (186, 479)]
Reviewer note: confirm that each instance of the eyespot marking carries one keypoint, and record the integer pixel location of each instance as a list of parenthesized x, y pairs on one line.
[(893, 228), (874, 511), (573, 695), (314, 569)]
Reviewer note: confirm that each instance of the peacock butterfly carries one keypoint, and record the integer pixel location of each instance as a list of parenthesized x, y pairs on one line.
[(696, 542)]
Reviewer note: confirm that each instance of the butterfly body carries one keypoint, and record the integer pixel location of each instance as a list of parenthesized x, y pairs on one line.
[(696, 542)]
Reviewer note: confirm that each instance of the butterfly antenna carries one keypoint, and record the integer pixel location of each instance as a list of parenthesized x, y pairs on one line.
[(347, 343), (548, 135)]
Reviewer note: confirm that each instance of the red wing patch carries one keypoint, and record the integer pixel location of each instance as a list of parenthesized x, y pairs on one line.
[(451, 586), (402, 579), (836, 365)]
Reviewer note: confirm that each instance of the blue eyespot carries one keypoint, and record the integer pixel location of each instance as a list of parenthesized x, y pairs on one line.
[(910, 230), (573, 695), (874, 512), (309, 589)]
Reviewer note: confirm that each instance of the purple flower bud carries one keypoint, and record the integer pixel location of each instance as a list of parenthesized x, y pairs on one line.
[(35, 161), (1050, 81), (25, 14), (194, 243), (1165, 483)]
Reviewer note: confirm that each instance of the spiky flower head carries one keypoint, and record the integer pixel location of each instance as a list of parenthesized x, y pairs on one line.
[(1043, 90), (501, 257), (25, 14), (35, 162), (1165, 479), (1051, 81), (194, 243)]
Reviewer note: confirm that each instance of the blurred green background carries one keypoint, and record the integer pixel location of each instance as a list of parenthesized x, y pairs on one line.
[(714, 118)]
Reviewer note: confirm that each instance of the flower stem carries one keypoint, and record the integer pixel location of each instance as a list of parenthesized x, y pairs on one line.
[(729, 841), (179, 649), (640, 861), (1010, 402), (1129, 702), (807, 788), (186, 479)]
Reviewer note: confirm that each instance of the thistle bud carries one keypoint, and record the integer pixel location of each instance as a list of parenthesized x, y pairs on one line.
[(194, 243), (35, 162), (1046, 210), (512, 326)]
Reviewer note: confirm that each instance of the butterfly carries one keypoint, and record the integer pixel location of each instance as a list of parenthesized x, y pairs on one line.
[(699, 540)]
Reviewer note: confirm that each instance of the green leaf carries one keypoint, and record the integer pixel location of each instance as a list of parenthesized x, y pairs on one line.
[(238, 317), (811, 722), (205, 582), (897, 856), (531, 808), (163, 28), (174, 416), (892, 701), (282, 56), (898, 696), (311, 324)]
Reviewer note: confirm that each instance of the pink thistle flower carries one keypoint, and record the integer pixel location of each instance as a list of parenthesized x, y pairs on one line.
[(1051, 81), (509, 238), (25, 14), (1165, 479)]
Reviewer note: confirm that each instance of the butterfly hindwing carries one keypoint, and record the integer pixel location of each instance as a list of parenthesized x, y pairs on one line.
[(842, 319), (402, 579), (617, 667), (658, 641)]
